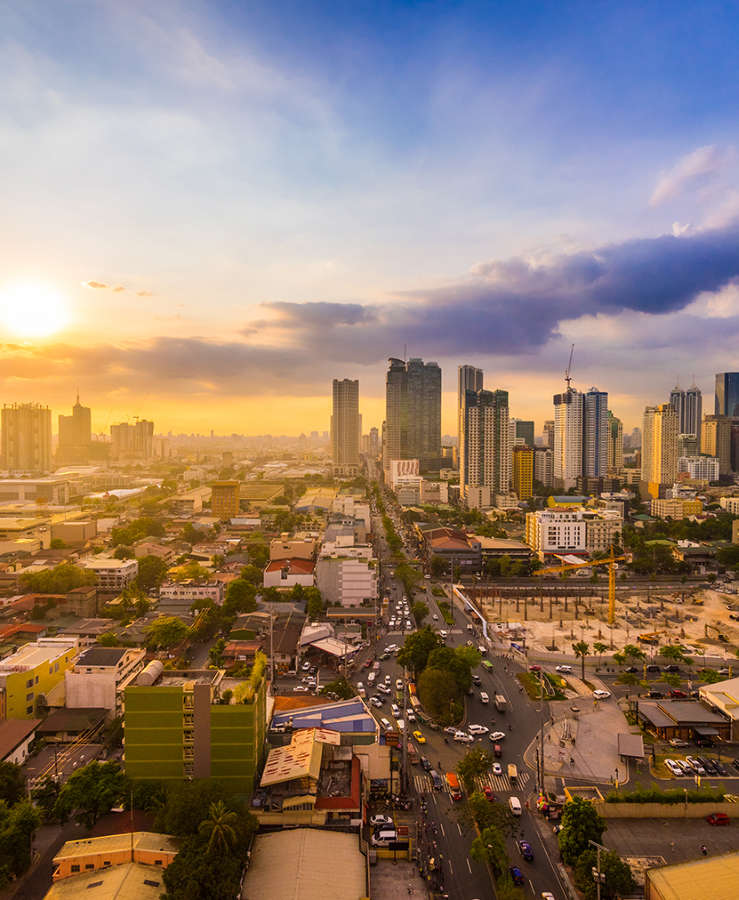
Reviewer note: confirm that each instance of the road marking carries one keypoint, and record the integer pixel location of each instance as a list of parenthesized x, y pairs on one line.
[(441, 825), (459, 829), (451, 867), (469, 867)]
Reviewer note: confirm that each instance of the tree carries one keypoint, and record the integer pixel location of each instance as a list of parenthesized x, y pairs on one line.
[(92, 791), (219, 827), (253, 575), (491, 815), (439, 566), (12, 783), (59, 580), (108, 639), (438, 690), (675, 653), (599, 648), (124, 552), (415, 651), (581, 648), (17, 827), (474, 764), (152, 571), (259, 554), (619, 882), (490, 847), (241, 596), (166, 632), (196, 874), (409, 576), (186, 805), (314, 603), (580, 824), (632, 651), (420, 611), (190, 571), (340, 687)]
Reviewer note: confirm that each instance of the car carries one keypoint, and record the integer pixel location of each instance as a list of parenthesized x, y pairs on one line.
[(564, 669), (632, 670), (395, 710), (443, 634), (419, 736), (655, 695), (534, 668), (710, 766), (305, 667), (723, 671), (425, 764), (379, 820), (516, 875), (376, 702), (721, 768), (673, 767), (672, 668), (388, 679), (718, 819), (367, 664), (601, 695), (676, 692), (489, 795), (497, 736), (653, 668), (300, 689), (410, 715), (478, 729), (524, 848), (685, 767), (735, 763), (461, 737), (676, 742), (497, 769), (547, 895), (399, 684), (450, 729), (695, 764), (383, 688), (435, 617)]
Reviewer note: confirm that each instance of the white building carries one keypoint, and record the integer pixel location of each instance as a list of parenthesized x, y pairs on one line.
[(286, 573), (603, 530), (99, 676), (347, 579), (568, 422), (555, 531), (402, 468), (730, 504), (544, 467), (699, 468), (177, 597), (111, 575)]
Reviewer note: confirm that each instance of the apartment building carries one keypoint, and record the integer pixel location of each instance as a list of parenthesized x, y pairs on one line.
[(676, 508), (177, 597), (111, 575), (32, 672), (556, 531), (99, 675)]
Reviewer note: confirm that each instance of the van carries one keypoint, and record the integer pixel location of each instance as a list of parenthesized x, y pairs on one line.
[(436, 780), (470, 628), (386, 724), (454, 788), (514, 804), (482, 650), (386, 836), (484, 697), (512, 773)]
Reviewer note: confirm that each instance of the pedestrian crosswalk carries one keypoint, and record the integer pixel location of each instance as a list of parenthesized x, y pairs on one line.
[(497, 783)]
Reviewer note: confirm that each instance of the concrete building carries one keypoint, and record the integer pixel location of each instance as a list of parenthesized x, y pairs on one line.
[(602, 531), (730, 504), (50, 490), (99, 676), (478, 496), (556, 531), (287, 573), (295, 548), (348, 577), (132, 443), (469, 380), (723, 696), (689, 408), (699, 468), (75, 436), (453, 545), (93, 854), (74, 532), (705, 878), (32, 672), (175, 728), (659, 447), (345, 427), (615, 444), (16, 737), (225, 499), (523, 472), (487, 442), (675, 508), (716, 440), (548, 433), (688, 444), (111, 575), (595, 433), (25, 437), (727, 394), (568, 444), (413, 413), (177, 597), (544, 467), (525, 432)]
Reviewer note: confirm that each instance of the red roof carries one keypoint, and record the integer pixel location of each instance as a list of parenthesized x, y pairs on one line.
[(7, 631), (294, 566)]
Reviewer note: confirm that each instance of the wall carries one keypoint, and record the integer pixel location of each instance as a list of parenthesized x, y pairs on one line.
[(153, 732), (663, 810)]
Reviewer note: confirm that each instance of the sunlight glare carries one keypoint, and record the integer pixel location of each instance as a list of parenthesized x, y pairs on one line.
[(32, 310)]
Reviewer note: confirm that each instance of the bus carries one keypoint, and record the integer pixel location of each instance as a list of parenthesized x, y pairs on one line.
[(487, 665), (413, 757)]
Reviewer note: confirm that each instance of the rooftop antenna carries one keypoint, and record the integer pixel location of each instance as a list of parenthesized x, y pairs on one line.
[(568, 378), (405, 352)]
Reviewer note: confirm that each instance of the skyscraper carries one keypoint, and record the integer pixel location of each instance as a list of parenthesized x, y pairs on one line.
[(568, 422), (689, 408), (487, 439), (659, 447), (549, 434), (75, 436), (413, 413), (470, 381), (345, 427), (26, 437), (716, 440), (615, 443), (525, 430), (374, 443), (595, 433), (727, 394), (132, 442)]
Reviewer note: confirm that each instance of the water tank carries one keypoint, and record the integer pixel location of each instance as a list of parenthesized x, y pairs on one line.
[(150, 673)]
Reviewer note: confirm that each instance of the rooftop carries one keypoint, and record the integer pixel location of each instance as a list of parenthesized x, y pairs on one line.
[(101, 656), (109, 843), (294, 566), (712, 878), (301, 758), (31, 655), (106, 562), (13, 732), (131, 881)]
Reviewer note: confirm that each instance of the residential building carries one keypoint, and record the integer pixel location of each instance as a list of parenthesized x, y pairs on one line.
[(615, 444), (688, 444), (544, 467), (523, 472), (75, 436), (345, 427), (92, 854), (487, 442), (225, 499), (32, 672), (689, 408), (287, 573), (595, 433), (403, 468), (716, 440), (111, 575), (549, 434), (525, 431), (295, 548), (25, 437), (676, 508), (177, 597), (568, 442), (727, 394), (408, 490), (453, 546), (699, 468), (730, 504), (556, 531), (16, 737), (348, 577), (659, 447), (603, 530), (434, 492), (132, 443), (478, 496), (176, 728), (99, 675), (413, 413)]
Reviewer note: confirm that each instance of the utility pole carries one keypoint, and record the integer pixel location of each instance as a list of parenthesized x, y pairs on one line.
[(541, 732), (404, 738), (599, 877)]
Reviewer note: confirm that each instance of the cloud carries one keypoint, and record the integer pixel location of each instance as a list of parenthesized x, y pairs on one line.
[(691, 170), (95, 284), (118, 288), (144, 293)]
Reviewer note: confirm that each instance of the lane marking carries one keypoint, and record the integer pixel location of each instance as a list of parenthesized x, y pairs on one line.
[(441, 824), (469, 867), (459, 829)]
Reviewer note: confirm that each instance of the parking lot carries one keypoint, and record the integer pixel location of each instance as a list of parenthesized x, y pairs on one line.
[(671, 839)]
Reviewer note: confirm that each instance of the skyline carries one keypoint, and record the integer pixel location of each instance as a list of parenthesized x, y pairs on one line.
[(223, 217)]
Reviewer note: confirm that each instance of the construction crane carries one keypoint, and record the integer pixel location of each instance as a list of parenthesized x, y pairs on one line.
[(568, 377), (609, 561)]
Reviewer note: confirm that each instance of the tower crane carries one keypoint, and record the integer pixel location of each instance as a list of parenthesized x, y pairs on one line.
[(609, 561), (568, 377)]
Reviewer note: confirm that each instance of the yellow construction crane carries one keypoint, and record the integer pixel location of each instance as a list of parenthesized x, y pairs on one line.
[(609, 561)]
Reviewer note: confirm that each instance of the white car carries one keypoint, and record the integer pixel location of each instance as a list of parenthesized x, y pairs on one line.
[(601, 695), (497, 736), (478, 729), (388, 679), (566, 669), (399, 684), (300, 689), (395, 710), (377, 820), (443, 634), (463, 738), (410, 715), (384, 689), (673, 767), (376, 702), (497, 769), (435, 617), (305, 667)]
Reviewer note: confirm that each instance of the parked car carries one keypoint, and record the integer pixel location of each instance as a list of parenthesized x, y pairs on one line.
[(673, 767), (653, 668), (524, 848), (684, 766), (695, 764), (565, 669), (672, 668), (676, 692), (300, 689), (399, 684), (379, 819), (305, 667), (534, 668), (601, 695), (655, 695), (450, 729), (676, 742), (632, 669), (718, 819), (516, 875)]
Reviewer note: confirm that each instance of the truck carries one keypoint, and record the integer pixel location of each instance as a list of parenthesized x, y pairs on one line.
[(500, 703), (512, 773), (454, 788), (413, 757)]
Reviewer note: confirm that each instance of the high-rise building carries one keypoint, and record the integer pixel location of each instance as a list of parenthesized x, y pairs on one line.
[(487, 441), (615, 444), (470, 381), (525, 430), (345, 427), (549, 434), (699, 468), (568, 444), (659, 447), (716, 440), (544, 466), (595, 433), (26, 437), (687, 445), (413, 413), (727, 394), (225, 499), (132, 442), (689, 408), (523, 472), (75, 436), (374, 443)]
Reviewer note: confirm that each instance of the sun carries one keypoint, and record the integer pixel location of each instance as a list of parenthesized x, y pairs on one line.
[(32, 310)]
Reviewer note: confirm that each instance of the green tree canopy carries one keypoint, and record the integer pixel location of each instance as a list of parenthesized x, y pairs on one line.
[(340, 687), (12, 783), (219, 827), (619, 881), (241, 596), (152, 571), (581, 649), (253, 574), (415, 651), (490, 847), (314, 605), (146, 526), (190, 571), (59, 580), (475, 763), (438, 691), (91, 792), (420, 611), (580, 824), (166, 632)]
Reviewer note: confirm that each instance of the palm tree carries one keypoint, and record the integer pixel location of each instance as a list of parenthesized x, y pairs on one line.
[(219, 827), (600, 649), (631, 651), (582, 648)]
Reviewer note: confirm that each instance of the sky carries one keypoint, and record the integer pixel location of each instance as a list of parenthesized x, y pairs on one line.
[(210, 210)]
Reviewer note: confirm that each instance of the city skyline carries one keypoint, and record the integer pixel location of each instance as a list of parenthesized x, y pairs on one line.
[(204, 211)]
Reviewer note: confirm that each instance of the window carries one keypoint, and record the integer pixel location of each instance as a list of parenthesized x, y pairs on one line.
[(89, 865), (51, 670), (37, 679), (29, 710), (56, 667), (29, 683), (157, 862), (29, 697), (75, 868)]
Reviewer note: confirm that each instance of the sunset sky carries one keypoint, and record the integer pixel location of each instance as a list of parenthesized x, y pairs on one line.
[(210, 210)]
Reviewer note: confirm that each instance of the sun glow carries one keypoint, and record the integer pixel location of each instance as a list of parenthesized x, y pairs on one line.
[(32, 310)]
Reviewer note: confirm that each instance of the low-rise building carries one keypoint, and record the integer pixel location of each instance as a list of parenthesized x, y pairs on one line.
[(99, 675), (130, 881), (553, 531), (730, 504), (93, 854), (286, 573), (723, 696), (675, 508), (683, 719), (177, 597), (347, 577), (111, 575), (16, 737), (74, 532), (602, 531), (451, 544), (704, 878), (295, 548), (32, 672)]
